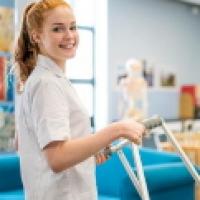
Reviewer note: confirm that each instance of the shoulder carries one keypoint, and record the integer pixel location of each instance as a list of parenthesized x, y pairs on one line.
[(42, 77), (43, 83)]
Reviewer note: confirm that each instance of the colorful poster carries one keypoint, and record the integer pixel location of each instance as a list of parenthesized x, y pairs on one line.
[(2, 78), (7, 28)]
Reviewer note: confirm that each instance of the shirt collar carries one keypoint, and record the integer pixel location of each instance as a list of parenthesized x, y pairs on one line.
[(49, 64)]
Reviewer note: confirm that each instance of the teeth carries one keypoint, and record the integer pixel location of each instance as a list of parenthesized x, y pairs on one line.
[(69, 46)]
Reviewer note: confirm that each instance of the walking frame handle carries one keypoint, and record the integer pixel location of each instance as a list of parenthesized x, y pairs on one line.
[(149, 124), (152, 123)]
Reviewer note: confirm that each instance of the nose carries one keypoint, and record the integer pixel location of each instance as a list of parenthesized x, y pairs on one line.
[(69, 34)]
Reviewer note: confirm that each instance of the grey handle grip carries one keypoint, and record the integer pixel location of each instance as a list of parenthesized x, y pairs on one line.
[(152, 122)]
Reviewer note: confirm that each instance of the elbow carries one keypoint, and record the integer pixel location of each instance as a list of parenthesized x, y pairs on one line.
[(56, 158), (56, 167), (53, 157)]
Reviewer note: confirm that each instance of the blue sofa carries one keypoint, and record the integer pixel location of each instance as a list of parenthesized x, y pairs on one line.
[(10, 180), (166, 177)]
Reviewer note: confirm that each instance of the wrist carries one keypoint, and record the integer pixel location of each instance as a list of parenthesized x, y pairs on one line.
[(117, 130)]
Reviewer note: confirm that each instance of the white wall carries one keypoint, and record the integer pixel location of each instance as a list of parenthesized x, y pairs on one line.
[(163, 31), (20, 5)]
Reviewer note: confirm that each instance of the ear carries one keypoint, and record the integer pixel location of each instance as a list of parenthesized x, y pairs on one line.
[(35, 37)]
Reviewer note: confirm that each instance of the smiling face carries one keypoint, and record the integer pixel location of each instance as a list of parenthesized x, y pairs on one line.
[(58, 38)]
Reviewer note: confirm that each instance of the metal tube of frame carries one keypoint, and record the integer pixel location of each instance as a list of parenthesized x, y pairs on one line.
[(140, 173), (129, 171), (183, 155)]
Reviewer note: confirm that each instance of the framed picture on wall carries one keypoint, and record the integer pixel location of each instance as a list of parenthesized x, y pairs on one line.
[(168, 79), (7, 32)]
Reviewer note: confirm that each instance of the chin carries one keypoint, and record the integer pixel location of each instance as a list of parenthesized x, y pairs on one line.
[(70, 55)]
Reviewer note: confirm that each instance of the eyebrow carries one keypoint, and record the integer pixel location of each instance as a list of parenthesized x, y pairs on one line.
[(59, 23)]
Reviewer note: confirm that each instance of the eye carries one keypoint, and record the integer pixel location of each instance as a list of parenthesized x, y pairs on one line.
[(73, 28), (58, 29)]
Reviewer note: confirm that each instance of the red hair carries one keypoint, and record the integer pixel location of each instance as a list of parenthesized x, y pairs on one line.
[(26, 50)]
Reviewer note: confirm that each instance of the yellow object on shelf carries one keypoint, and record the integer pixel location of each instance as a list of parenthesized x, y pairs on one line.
[(187, 106), (7, 28)]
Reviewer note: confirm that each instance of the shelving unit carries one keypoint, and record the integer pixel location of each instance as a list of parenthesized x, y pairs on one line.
[(7, 124), (9, 78), (8, 15)]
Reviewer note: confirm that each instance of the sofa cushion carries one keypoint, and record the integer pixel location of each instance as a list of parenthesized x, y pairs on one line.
[(9, 172), (111, 173), (159, 178), (109, 176), (167, 176), (12, 195), (104, 197)]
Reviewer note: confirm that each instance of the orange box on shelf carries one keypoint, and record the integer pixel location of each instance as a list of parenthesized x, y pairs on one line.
[(187, 101)]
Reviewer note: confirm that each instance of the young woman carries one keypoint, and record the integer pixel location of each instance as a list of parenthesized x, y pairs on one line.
[(55, 145)]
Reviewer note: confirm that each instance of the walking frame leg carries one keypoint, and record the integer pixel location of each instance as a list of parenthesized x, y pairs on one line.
[(183, 155), (129, 171), (140, 172), (139, 182)]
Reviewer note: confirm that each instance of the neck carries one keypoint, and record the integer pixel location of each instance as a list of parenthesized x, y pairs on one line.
[(60, 63)]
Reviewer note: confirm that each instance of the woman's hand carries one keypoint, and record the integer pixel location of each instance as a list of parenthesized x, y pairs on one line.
[(132, 130), (102, 156), (129, 129)]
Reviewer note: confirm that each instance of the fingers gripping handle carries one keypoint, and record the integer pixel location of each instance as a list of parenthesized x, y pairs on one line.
[(149, 124)]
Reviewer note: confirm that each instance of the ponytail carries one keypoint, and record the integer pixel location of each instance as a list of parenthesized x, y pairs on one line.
[(26, 51)]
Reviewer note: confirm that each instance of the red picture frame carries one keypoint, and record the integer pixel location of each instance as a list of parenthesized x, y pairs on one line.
[(2, 78)]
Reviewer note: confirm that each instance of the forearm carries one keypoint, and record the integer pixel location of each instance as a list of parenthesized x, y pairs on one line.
[(63, 155)]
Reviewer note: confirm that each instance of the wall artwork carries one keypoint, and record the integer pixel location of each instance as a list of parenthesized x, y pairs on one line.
[(168, 79), (7, 32)]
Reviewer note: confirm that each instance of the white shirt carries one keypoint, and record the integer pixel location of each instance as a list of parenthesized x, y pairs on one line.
[(50, 110)]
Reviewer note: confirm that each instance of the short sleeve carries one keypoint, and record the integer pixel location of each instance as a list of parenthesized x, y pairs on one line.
[(50, 113)]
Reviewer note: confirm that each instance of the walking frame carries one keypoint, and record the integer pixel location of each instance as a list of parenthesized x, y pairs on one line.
[(139, 181)]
